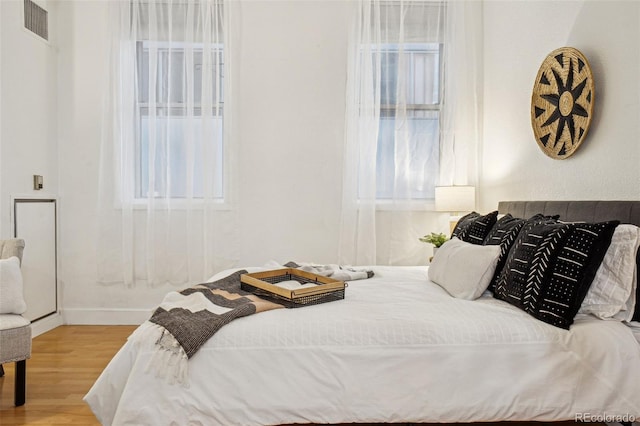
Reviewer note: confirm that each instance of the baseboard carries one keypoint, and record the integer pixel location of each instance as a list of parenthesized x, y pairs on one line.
[(106, 316), (45, 324)]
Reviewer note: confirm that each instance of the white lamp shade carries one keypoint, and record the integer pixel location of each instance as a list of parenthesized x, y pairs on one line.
[(455, 198)]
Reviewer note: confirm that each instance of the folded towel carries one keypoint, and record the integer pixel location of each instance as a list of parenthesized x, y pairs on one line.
[(337, 272), (293, 285), (289, 285)]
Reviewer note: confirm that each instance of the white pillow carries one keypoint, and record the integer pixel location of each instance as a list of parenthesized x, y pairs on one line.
[(11, 295), (464, 270), (612, 294)]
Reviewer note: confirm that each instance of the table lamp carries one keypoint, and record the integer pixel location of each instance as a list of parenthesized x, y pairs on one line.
[(456, 200)]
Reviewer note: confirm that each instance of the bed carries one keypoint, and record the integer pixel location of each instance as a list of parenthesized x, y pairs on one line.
[(397, 349)]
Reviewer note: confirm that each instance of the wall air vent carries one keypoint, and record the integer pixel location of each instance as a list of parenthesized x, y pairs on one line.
[(35, 19)]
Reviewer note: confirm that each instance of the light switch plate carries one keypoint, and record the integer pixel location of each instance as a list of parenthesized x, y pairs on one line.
[(38, 182)]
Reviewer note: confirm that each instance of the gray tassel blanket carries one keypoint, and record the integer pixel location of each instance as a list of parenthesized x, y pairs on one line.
[(189, 318)]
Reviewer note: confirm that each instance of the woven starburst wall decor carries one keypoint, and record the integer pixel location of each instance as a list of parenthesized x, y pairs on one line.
[(562, 102)]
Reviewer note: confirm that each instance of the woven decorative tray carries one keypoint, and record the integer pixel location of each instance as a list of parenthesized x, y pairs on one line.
[(263, 284)]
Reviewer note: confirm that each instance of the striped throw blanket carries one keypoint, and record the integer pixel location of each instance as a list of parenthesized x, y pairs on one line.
[(189, 318)]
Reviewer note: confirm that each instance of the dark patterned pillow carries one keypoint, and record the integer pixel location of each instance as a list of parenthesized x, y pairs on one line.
[(551, 266), (464, 222), (505, 232), (473, 228), (502, 227)]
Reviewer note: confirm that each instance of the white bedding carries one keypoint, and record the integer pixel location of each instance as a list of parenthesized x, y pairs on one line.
[(397, 349)]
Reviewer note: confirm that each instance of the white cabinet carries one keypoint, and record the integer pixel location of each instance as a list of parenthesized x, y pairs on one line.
[(35, 222)]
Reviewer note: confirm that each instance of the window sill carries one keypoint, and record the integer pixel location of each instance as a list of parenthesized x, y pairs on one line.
[(400, 205), (175, 204)]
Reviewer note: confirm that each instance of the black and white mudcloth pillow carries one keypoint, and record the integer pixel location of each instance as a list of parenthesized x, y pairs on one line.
[(464, 222), (505, 232), (551, 266), (505, 226), (473, 228)]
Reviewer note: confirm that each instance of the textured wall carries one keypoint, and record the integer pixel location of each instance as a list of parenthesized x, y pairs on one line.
[(518, 36)]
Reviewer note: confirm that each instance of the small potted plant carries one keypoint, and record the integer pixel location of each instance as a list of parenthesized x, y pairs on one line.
[(436, 239)]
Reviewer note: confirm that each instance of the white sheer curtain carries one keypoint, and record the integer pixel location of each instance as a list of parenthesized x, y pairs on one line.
[(166, 211), (412, 119)]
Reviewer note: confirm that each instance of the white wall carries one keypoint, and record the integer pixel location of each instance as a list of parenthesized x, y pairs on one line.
[(28, 94), (28, 118), (517, 37), (83, 60), (289, 123)]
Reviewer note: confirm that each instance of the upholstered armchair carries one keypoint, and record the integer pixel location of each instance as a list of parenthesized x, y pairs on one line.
[(15, 330)]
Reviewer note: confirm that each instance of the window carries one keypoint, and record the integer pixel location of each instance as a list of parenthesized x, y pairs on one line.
[(179, 144), (410, 108)]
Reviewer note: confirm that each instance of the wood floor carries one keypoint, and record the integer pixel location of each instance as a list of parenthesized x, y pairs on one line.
[(65, 363)]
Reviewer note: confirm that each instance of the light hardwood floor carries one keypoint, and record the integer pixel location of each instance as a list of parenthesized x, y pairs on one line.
[(64, 364)]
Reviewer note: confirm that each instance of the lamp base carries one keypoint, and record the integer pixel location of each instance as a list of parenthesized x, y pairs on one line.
[(452, 225), (453, 221)]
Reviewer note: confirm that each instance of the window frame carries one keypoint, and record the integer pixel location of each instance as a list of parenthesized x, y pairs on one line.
[(413, 204), (136, 199)]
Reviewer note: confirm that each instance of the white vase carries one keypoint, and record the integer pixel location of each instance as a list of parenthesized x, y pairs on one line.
[(435, 249)]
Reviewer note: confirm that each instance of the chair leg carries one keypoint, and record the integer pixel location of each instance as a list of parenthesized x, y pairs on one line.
[(21, 382), (1, 371)]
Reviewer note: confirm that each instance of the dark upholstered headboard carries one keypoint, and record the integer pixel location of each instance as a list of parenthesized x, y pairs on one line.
[(586, 211), (583, 211)]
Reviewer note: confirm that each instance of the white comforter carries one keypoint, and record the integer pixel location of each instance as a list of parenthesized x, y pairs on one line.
[(398, 348)]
